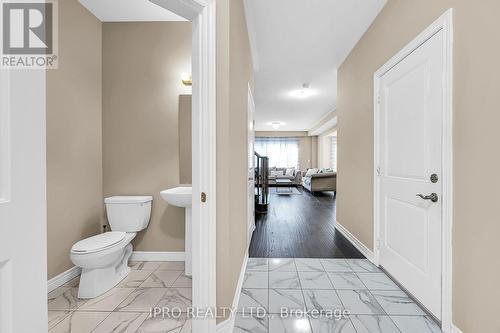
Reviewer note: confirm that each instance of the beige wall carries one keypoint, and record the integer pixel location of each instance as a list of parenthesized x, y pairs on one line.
[(185, 139), (324, 151), (74, 164), (308, 146), (476, 271), (234, 72), (314, 152), (142, 63)]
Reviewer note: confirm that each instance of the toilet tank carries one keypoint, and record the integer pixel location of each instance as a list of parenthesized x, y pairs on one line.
[(128, 213)]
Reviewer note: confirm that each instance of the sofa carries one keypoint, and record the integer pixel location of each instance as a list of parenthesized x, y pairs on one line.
[(319, 180), (280, 173)]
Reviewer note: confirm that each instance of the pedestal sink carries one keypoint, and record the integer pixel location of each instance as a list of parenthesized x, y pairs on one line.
[(182, 197)]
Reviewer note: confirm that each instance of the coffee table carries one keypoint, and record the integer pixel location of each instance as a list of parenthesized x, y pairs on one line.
[(284, 183)]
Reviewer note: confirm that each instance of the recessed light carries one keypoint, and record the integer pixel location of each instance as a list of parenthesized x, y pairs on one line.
[(276, 125), (303, 92)]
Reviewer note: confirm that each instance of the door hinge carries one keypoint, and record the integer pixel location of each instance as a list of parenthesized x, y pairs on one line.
[(378, 99), (378, 244), (203, 197), (379, 171)]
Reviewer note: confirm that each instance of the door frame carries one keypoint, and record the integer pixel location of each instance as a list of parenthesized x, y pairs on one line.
[(202, 13), (251, 220), (444, 24)]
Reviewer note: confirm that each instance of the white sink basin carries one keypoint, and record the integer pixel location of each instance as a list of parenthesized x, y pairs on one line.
[(178, 196), (182, 197)]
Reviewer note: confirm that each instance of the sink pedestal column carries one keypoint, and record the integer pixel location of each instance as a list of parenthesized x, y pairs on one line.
[(188, 248)]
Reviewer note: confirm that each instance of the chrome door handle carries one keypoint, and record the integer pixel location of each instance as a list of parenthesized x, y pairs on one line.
[(432, 197)]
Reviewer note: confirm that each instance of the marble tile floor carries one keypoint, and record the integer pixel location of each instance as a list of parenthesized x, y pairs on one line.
[(126, 307), (374, 302)]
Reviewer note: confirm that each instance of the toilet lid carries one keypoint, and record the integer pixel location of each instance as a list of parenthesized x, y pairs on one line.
[(98, 242)]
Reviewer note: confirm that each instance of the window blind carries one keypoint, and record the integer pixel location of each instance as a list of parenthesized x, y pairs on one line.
[(282, 152)]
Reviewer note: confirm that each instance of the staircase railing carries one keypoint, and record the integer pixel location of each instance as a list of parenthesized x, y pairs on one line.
[(261, 183)]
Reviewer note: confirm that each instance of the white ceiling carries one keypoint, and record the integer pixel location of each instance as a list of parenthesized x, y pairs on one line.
[(128, 11), (302, 41)]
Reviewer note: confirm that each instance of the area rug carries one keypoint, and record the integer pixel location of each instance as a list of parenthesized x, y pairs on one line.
[(285, 191)]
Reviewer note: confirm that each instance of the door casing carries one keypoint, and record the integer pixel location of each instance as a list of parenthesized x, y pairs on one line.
[(251, 166), (444, 24), (202, 13)]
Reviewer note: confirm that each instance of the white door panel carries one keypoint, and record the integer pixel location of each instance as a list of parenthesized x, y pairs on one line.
[(406, 232), (23, 264), (411, 111), (405, 126)]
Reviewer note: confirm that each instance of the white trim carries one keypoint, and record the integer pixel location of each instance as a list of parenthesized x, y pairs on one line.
[(445, 24), (354, 241), (189, 9), (63, 278), (227, 325), (323, 118), (455, 329), (250, 200), (329, 125), (157, 256), (202, 15)]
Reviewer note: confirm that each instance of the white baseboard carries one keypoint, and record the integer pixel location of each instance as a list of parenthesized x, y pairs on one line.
[(356, 242), (455, 329), (157, 256), (63, 278), (227, 326)]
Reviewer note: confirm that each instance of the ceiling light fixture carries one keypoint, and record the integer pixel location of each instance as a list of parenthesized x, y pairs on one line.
[(303, 92), (186, 79), (276, 125)]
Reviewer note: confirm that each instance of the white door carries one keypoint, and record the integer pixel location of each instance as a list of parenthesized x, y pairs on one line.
[(411, 116), (23, 265), (251, 167)]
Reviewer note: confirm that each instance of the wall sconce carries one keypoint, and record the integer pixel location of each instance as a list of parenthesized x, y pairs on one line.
[(186, 79)]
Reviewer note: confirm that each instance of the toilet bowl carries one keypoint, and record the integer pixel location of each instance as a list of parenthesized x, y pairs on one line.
[(104, 258)]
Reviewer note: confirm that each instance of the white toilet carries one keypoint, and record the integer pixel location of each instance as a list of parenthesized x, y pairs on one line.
[(104, 258)]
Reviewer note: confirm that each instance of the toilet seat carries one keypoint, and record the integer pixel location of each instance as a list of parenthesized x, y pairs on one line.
[(99, 242)]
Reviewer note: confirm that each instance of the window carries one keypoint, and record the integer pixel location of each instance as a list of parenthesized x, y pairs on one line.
[(333, 154), (282, 152)]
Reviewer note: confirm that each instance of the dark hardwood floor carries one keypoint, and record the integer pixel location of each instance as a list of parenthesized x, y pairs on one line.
[(300, 226)]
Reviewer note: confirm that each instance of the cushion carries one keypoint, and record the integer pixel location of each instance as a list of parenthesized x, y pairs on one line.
[(276, 173), (290, 172), (311, 172)]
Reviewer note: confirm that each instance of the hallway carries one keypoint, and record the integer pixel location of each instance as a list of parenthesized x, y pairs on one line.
[(373, 303), (300, 226)]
